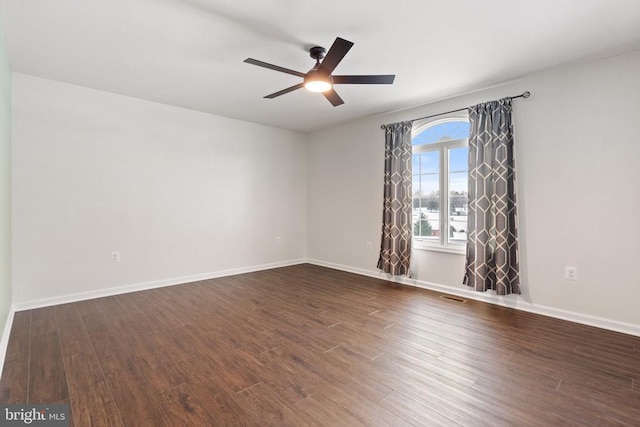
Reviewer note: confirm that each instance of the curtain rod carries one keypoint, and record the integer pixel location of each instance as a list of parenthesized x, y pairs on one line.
[(525, 94)]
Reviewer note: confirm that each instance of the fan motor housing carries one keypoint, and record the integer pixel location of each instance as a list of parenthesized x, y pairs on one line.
[(317, 52), (314, 74)]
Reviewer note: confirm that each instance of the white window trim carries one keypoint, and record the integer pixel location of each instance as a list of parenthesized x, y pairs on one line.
[(443, 244)]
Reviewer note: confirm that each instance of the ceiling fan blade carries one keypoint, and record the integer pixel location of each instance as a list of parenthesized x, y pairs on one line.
[(338, 50), (385, 79), (333, 97), (283, 91), (273, 67)]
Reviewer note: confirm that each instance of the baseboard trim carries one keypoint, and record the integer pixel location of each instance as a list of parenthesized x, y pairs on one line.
[(82, 296), (515, 303), (4, 341)]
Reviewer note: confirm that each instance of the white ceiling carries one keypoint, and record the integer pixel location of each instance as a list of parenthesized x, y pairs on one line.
[(190, 53)]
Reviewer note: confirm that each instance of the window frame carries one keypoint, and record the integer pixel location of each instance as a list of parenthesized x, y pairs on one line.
[(443, 244)]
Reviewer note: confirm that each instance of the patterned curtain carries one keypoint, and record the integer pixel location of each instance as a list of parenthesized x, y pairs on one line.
[(395, 247), (492, 234)]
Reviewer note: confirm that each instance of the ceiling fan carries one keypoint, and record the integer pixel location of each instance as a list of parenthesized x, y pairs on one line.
[(319, 78)]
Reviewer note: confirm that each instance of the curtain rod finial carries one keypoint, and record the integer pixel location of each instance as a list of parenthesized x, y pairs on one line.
[(526, 94)]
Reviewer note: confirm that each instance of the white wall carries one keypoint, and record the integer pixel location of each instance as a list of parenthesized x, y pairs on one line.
[(179, 193), (5, 188), (578, 160)]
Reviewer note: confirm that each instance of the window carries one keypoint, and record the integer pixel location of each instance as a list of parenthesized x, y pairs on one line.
[(440, 175)]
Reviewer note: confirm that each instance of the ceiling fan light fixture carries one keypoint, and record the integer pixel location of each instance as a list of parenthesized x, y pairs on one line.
[(315, 81), (320, 78), (317, 86)]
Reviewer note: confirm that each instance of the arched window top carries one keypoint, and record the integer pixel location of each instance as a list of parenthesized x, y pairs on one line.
[(433, 131)]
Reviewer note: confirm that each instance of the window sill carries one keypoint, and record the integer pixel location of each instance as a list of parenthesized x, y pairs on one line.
[(458, 250)]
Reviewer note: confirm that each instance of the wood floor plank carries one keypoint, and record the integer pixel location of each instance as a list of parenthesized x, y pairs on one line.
[(318, 410), (290, 383), (136, 403), (15, 374), (543, 408), (238, 369), (411, 361), (159, 378), (47, 376), (221, 403), (89, 393), (181, 407), (369, 343), (328, 372), (43, 321), (578, 396), (415, 412), (269, 408), (366, 411), (310, 346)]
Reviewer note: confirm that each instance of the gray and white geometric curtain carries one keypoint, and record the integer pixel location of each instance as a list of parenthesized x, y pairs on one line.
[(492, 234), (395, 246)]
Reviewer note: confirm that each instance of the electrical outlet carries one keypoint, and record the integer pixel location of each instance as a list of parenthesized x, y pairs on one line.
[(571, 273), (369, 246), (115, 256), (278, 241)]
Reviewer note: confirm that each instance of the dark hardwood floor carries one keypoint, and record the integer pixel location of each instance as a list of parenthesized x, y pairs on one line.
[(306, 345)]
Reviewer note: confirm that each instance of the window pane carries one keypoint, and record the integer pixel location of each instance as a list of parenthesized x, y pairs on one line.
[(459, 159), (425, 162), (426, 195), (446, 131), (426, 224), (430, 162), (430, 185), (415, 186), (425, 173), (458, 200)]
